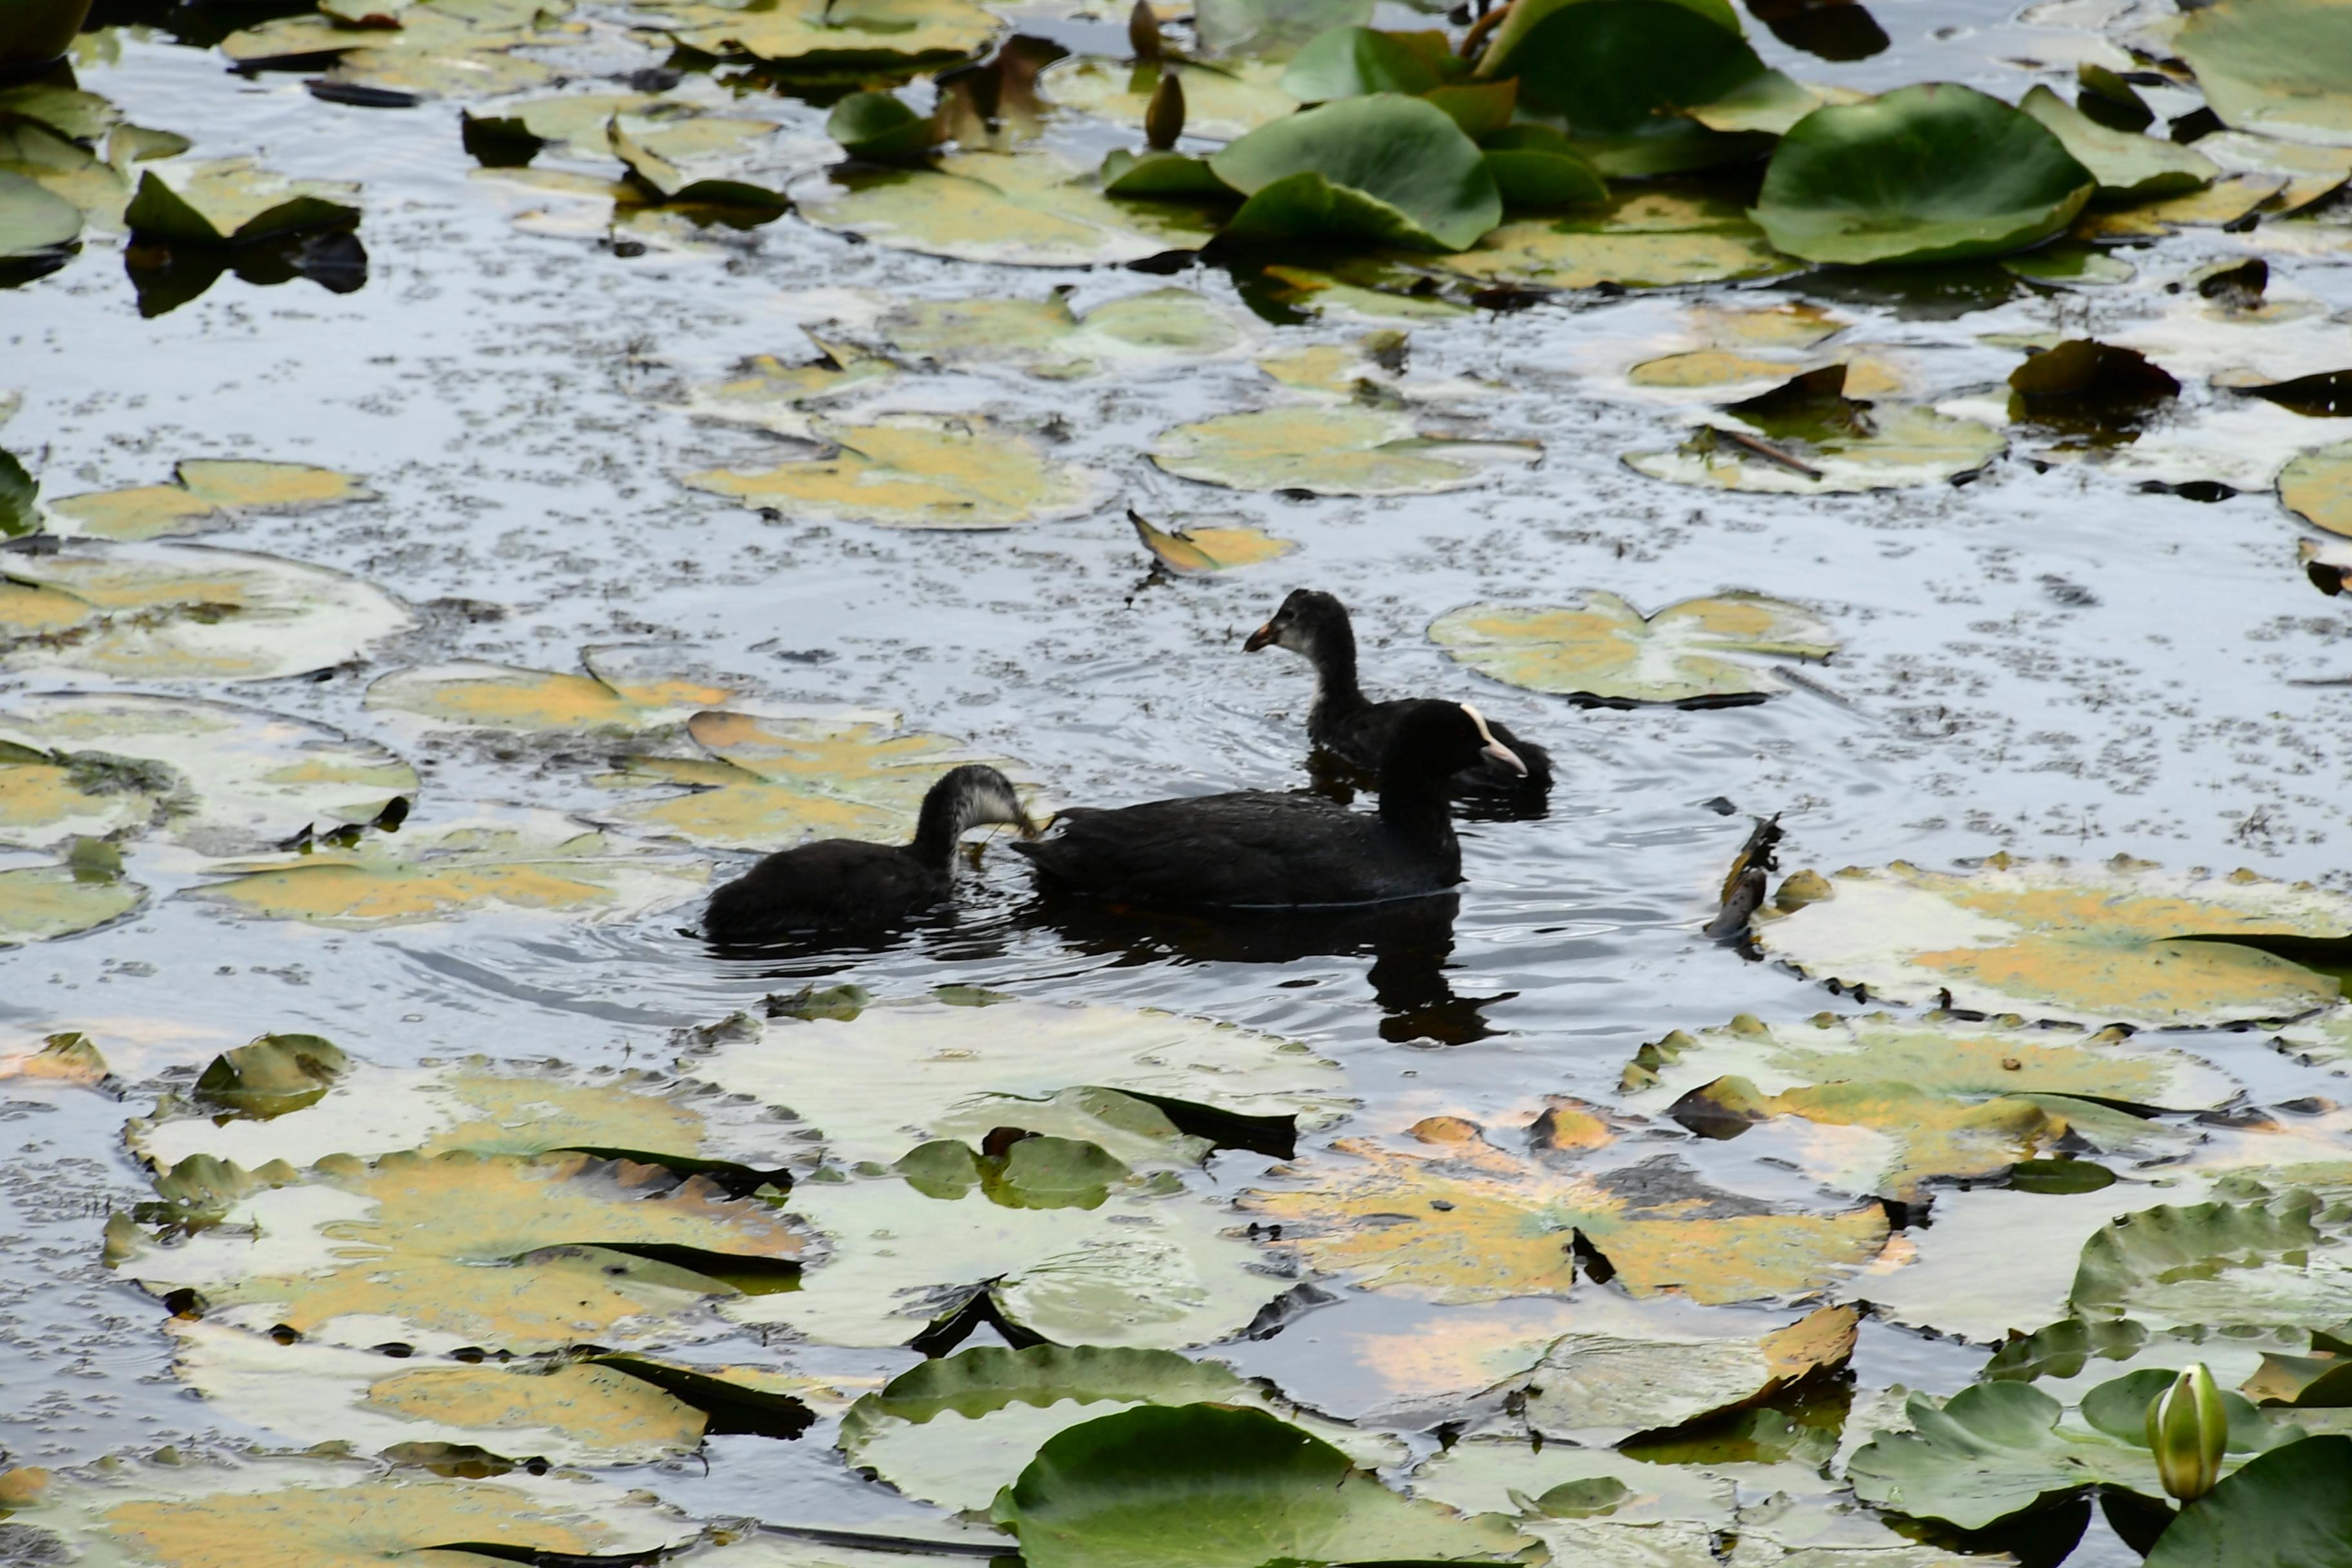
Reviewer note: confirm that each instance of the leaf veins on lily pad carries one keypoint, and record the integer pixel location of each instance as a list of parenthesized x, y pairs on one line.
[(616, 691), (1020, 210), (1606, 652), (497, 1251), (916, 471), (206, 494), (1349, 451), (161, 610), (2285, 1263), (1468, 1221), (2051, 939)]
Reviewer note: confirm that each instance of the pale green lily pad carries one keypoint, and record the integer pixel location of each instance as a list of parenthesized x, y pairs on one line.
[(617, 691), (502, 1252), (520, 859), (2129, 167), (1141, 1266), (1221, 101), (2312, 173), (33, 220), (2053, 939), (959, 1071), (770, 394), (1647, 239), (2317, 487), (1606, 651), (1599, 1388), (2290, 1507), (68, 111), (39, 903), (959, 1430), (1025, 210), (918, 470), (2325, 1041), (1202, 1486), (204, 494), (326, 1513), (432, 47), (234, 201), (1360, 290), (1350, 451), (1047, 338), (65, 170), (2273, 66), (221, 779), (2283, 1264), (169, 611), (579, 122), (1811, 436), (810, 34)]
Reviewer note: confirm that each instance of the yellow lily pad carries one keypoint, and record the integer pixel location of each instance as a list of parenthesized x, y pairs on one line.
[(1047, 338), (610, 696), (151, 611), (1221, 101), (1607, 651), (918, 470), (2051, 939), (1201, 551), (204, 494), (523, 859), (2225, 201), (1018, 210), (1466, 1221), (64, 1057), (434, 47), (2317, 487), (810, 35), (1360, 291), (1645, 239), (1349, 451), (38, 903), (770, 394), (498, 1251)]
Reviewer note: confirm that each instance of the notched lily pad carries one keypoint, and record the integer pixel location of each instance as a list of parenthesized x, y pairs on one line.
[(2128, 167), (234, 201), (1046, 338), (1605, 653), (619, 690), (1644, 239), (1383, 169), (1600, 1388), (1809, 437), (87, 889), (1221, 100), (1201, 550), (2281, 1263), (204, 494), (1350, 451), (918, 470)]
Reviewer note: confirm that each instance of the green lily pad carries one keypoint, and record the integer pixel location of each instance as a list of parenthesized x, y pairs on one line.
[(68, 111), (2128, 167), (2274, 1264), (1352, 451), (206, 493), (1354, 62), (810, 35), (33, 221), (1023, 210), (1992, 1451), (166, 611), (956, 1431), (1606, 651), (39, 903), (916, 471), (1597, 1388), (701, 161), (880, 126), (1221, 101), (2290, 1507), (2092, 944), (2317, 487), (1534, 166), (429, 48), (66, 170), (1620, 73), (233, 201), (1939, 172), (1644, 239), (219, 778), (1202, 1486), (1046, 338), (1807, 437), (19, 492), (2272, 66), (1385, 168)]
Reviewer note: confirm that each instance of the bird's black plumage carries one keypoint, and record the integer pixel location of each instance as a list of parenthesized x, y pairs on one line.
[(1259, 849), (848, 884), (1356, 730)]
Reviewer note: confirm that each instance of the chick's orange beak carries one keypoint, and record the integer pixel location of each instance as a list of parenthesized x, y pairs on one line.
[(1259, 639)]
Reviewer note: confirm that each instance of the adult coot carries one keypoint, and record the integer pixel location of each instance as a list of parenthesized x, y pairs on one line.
[(848, 884), (1259, 849), (1356, 730)]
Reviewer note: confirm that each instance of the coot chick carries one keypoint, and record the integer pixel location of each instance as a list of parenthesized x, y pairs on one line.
[(1257, 849), (849, 885), (1356, 730)]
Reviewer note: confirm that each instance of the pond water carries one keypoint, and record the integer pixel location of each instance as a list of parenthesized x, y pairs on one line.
[(2048, 660)]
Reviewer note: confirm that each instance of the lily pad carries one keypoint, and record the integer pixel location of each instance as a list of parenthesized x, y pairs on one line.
[(183, 611), (2276, 1264), (1607, 652), (1202, 1486), (1600, 1388), (2091, 943), (1469, 1222), (2269, 65), (233, 201), (1329, 451), (961, 1071), (1644, 239), (2290, 1507), (506, 1252), (39, 903), (766, 780), (2128, 167), (33, 220), (959, 1430), (1807, 437), (918, 470), (613, 694), (1221, 101), (2317, 487), (1939, 172), (1385, 169), (701, 160), (521, 860), (1023, 210), (204, 494), (1200, 551), (1047, 338), (770, 394), (431, 49), (809, 35), (219, 778)]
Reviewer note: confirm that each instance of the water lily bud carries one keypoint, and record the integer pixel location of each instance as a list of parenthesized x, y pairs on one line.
[(1163, 117), (1143, 31), (2188, 1429)]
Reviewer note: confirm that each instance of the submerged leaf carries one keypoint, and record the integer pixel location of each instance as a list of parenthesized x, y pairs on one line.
[(1350, 451), (918, 470), (1606, 651)]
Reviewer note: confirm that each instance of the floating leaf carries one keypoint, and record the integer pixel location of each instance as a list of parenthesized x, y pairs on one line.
[(1361, 290), (1199, 551), (809, 35), (431, 49), (65, 1058), (1534, 166), (2269, 1264), (961, 1071), (65, 170), (880, 126), (2270, 66), (506, 1252), (701, 160), (183, 611), (956, 1431), (1472, 1223), (1645, 239), (222, 779), (1355, 62), (1046, 338), (1030, 210), (33, 221), (1600, 1388), (2312, 173), (767, 392), (1221, 101), (1812, 440), (1940, 172), (2317, 487), (610, 696), (1385, 169), (2128, 167), (1589, 1504), (2055, 940), (206, 494), (2289, 1508), (233, 201), (1328, 451), (38, 903), (1203, 1485), (525, 859), (1605, 651), (918, 470)]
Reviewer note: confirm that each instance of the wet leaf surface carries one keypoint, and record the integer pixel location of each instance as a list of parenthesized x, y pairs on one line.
[(1610, 653), (914, 470), (1029, 210), (2317, 487), (619, 691), (1329, 451), (206, 494), (2261, 66)]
